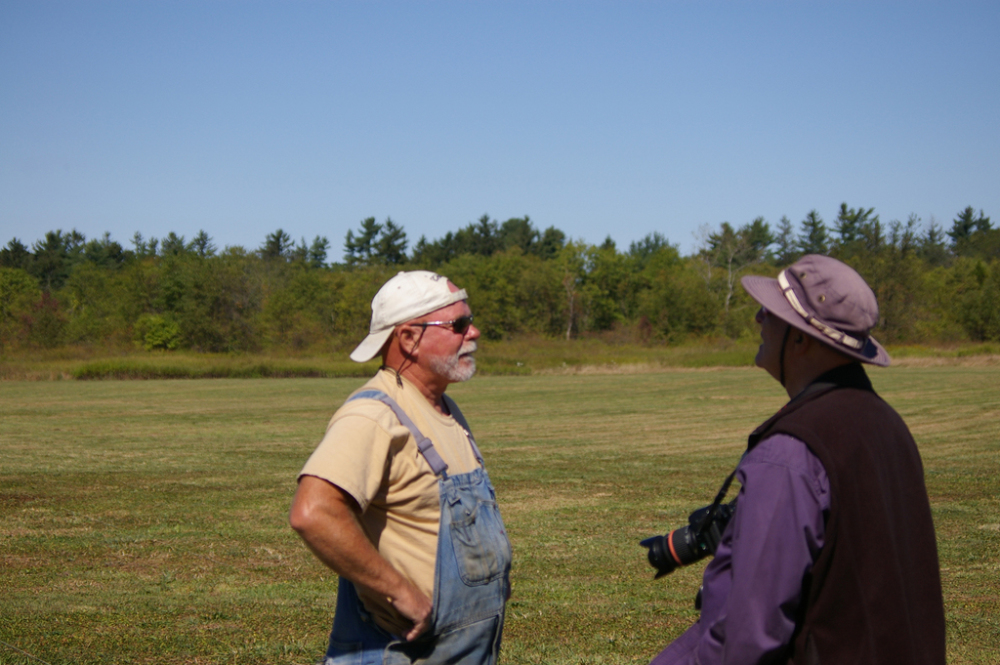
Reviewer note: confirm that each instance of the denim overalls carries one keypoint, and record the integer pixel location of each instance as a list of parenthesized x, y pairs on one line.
[(471, 575)]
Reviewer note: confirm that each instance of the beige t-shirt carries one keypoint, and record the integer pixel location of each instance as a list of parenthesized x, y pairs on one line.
[(367, 453)]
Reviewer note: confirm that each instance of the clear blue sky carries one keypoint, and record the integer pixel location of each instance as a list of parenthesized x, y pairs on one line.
[(599, 118)]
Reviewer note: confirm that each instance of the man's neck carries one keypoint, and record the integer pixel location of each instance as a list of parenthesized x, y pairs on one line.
[(432, 389), (814, 368)]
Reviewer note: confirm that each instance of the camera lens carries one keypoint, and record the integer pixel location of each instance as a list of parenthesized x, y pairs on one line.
[(677, 548), (659, 554), (691, 543), (684, 546)]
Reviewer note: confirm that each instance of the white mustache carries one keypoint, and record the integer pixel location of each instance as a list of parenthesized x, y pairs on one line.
[(468, 348)]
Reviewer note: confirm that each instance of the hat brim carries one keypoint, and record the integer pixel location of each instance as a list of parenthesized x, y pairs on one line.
[(767, 292), (371, 345)]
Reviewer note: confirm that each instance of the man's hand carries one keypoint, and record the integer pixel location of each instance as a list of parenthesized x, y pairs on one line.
[(416, 607), (327, 519)]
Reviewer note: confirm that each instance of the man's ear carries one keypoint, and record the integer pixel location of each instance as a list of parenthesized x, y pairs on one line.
[(802, 343), (408, 339)]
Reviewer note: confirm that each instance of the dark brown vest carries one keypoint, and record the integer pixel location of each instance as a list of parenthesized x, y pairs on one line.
[(874, 593)]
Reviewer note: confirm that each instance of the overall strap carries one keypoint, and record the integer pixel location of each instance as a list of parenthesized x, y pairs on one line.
[(424, 445), (457, 415)]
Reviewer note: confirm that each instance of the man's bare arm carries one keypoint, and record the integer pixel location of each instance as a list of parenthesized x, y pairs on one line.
[(327, 519)]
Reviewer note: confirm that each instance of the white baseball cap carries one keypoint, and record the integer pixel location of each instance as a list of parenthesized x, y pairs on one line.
[(403, 298)]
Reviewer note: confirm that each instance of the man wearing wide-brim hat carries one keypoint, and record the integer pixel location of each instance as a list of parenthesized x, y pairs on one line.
[(396, 499), (830, 556)]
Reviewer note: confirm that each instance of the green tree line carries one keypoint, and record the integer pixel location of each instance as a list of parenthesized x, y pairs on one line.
[(934, 284)]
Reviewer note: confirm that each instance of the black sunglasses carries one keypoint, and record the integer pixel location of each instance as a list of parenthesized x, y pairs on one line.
[(459, 325)]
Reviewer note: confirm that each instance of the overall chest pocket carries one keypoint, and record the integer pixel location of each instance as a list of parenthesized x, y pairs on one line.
[(478, 537)]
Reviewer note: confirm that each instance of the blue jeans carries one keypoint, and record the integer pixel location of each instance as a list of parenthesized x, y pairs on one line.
[(471, 585)]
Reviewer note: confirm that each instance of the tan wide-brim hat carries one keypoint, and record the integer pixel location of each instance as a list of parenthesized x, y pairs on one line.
[(403, 298), (825, 299)]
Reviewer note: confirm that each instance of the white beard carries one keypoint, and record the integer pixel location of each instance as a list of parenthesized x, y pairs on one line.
[(459, 367)]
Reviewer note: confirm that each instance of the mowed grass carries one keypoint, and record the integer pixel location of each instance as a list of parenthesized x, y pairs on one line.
[(145, 521)]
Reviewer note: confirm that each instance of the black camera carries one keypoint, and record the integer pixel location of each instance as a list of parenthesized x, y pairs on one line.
[(691, 543)]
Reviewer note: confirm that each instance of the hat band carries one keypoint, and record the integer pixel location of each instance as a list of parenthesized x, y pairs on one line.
[(832, 333)]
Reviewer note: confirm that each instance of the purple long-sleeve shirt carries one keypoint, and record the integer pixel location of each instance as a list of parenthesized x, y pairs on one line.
[(752, 588)]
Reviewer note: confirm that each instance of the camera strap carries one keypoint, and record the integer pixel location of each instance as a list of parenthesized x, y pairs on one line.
[(708, 519), (710, 514)]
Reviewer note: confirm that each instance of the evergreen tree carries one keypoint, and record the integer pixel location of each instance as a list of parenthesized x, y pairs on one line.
[(174, 245), (391, 246), (903, 237), (317, 252), (872, 238), (974, 236), (551, 244), (433, 254), (202, 245), (786, 252), (641, 251), (104, 252), (932, 247), (142, 248), (518, 232), (814, 238), (757, 238), (300, 253), (851, 226), (360, 249), (483, 237), (277, 246), (15, 255), (850, 223), (376, 244), (966, 224), (54, 256)]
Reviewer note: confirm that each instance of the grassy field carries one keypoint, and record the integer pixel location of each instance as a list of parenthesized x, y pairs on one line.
[(145, 521)]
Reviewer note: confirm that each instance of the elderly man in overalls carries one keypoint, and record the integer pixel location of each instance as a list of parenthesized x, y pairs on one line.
[(396, 500)]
